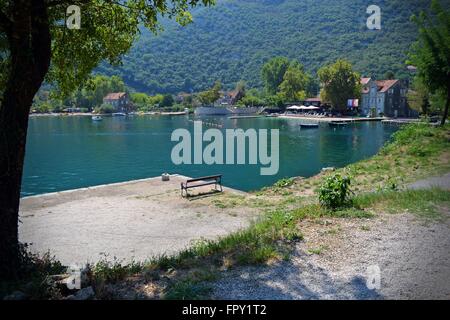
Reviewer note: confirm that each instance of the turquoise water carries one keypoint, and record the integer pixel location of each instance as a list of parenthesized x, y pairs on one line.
[(72, 152)]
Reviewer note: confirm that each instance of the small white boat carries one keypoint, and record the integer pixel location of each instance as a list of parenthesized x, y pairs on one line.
[(119, 114), (97, 118)]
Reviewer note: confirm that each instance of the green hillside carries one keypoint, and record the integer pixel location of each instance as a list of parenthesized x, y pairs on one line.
[(232, 40)]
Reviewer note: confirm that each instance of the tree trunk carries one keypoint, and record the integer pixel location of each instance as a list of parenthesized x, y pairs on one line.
[(447, 103), (30, 50)]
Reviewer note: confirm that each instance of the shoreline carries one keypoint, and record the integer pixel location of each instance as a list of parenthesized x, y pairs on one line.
[(117, 184), (86, 114), (336, 119)]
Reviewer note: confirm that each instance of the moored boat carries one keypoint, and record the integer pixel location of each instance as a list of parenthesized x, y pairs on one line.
[(336, 124), (309, 125), (97, 118)]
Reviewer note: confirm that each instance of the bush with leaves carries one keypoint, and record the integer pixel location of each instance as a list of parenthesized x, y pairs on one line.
[(335, 191)]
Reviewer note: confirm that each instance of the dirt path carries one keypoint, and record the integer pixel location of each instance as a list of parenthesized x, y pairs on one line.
[(331, 263), (439, 182)]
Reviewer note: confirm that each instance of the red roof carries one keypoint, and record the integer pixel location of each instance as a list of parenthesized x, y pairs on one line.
[(114, 95), (365, 80), (385, 85), (233, 94)]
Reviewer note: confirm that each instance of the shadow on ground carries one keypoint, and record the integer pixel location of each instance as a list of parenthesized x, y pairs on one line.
[(291, 280)]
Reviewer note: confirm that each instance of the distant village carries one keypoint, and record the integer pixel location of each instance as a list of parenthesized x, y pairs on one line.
[(378, 98)]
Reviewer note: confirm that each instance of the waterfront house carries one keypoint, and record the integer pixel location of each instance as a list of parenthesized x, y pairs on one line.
[(230, 98), (385, 98), (119, 100)]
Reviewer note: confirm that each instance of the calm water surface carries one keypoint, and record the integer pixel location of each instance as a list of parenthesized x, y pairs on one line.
[(72, 152)]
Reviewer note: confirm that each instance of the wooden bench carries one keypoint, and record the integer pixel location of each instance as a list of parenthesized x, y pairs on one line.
[(200, 182)]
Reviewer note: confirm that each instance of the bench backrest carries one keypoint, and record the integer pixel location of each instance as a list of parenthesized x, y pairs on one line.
[(216, 177)]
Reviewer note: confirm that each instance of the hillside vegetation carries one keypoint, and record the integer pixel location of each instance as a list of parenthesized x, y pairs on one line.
[(233, 40)]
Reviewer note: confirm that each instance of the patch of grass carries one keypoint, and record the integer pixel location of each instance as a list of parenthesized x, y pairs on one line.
[(318, 250), (424, 203), (333, 231), (414, 151), (283, 183), (113, 271), (34, 276), (226, 201), (187, 289)]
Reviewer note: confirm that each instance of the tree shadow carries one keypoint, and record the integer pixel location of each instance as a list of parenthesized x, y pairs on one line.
[(291, 281), (202, 195)]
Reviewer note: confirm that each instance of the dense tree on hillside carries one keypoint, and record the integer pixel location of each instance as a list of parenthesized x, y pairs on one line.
[(419, 97), (339, 83), (389, 75), (234, 39), (210, 96), (273, 72), (241, 86), (295, 83), (167, 101), (34, 46), (431, 53)]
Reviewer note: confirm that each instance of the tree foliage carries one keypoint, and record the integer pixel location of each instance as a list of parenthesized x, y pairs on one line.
[(431, 53), (295, 83), (35, 45), (339, 83), (210, 96), (273, 73), (234, 39)]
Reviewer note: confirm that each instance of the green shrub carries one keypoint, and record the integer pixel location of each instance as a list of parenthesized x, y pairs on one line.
[(335, 191), (105, 108), (283, 183), (113, 271)]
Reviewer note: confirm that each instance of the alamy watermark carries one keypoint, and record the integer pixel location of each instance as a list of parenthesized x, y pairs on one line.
[(374, 20), (73, 282), (235, 147), (73, 17), (373, 277)]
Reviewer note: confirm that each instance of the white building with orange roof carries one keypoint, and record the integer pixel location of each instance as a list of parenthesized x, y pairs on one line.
[(385, 98)]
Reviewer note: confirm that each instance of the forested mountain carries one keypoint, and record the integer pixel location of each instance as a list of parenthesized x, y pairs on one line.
[(232, 40)]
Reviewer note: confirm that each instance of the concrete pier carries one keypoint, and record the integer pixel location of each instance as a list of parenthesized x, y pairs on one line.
[(131, 221)]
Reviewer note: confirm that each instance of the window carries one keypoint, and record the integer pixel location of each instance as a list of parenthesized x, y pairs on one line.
[(391, 91)]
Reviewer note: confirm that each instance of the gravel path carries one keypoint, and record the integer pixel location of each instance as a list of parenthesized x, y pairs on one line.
[(440, 182), (412, 254)]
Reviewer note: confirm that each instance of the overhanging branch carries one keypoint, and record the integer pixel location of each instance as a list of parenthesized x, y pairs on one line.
[(54, 3)]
